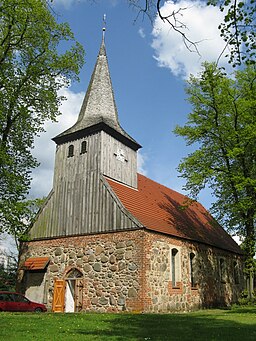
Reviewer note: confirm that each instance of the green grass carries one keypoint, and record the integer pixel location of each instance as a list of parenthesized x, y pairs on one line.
[(207, 325)]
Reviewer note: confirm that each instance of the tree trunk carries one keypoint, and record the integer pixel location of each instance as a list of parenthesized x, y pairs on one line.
[(251, 286), (249, 254)]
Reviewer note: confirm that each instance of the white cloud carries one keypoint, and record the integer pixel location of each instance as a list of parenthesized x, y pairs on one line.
[(44, 150), (201, 25), (141, 32), (8, 246), (142, 158), (67, 3), (237, 239)]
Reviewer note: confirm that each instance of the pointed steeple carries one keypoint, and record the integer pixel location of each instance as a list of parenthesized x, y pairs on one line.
[(98, 106)]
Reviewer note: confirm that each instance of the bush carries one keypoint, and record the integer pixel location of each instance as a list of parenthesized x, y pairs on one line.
[(244, 299)]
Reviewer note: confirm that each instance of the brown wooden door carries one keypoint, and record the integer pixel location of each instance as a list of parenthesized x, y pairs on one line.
[(58, 304), (79, 295)]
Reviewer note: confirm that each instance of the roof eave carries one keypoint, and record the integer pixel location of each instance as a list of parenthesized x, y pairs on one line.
[(63, 138), (236, 250)]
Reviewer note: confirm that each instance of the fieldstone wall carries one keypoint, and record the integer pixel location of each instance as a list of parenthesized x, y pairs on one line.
[(131, 271), (209, 289), (110, 265)]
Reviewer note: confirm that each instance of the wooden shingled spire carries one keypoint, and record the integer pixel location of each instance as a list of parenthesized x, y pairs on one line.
[(99, 105)]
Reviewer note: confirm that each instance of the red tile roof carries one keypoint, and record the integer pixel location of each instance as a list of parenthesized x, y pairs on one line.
[(36, 263), (161, 209)]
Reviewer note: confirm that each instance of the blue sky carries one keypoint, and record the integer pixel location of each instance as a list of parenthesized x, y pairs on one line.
[(148, 65)]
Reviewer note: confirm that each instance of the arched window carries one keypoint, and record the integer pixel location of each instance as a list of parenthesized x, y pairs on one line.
[(74, 273), (236, 273), (192, 269), (222, 270), (70, 150), (174, 256), (83, 147)]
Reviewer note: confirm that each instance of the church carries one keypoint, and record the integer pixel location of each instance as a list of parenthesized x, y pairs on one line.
[(109, 239)]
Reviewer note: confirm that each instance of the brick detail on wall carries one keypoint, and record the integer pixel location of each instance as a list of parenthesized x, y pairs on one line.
[(208, 291)]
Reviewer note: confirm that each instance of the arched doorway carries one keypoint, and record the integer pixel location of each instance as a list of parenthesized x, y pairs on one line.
[(74, 291), (68, 292)]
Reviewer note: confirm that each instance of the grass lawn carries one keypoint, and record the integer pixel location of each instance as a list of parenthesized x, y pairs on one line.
[(235, 324)]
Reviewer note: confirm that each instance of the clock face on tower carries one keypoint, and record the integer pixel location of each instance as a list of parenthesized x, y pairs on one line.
[(120, 155)]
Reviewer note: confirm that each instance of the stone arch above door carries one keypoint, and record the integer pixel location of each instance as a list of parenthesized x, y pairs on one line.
[(73, 273)]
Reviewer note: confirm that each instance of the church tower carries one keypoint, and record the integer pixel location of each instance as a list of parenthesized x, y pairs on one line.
[(97, 142), (94, 148)]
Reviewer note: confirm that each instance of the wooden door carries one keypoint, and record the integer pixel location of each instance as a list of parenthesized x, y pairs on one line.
[(59, 296), (79, 295)]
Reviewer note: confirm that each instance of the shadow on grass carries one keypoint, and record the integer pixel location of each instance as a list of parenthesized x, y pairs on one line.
[(244, 310), (173, 327), (208, 325)]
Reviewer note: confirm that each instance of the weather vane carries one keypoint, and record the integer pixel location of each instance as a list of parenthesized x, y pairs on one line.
[(104, 25)]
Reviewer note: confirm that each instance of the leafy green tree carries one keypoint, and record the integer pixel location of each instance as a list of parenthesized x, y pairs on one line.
[(238, 29), (17, 221), (222, 126), (18, 218), (33, 67)]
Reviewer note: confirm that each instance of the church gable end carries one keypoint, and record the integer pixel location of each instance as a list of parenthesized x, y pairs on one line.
[(71, 212)]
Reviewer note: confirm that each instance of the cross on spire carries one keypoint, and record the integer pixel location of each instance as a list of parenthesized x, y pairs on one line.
[(104, 26)]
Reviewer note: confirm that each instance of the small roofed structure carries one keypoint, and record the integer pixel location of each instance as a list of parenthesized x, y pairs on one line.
[(36, 263)]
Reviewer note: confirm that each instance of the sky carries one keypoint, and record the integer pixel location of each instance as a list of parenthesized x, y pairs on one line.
[(149, 65)]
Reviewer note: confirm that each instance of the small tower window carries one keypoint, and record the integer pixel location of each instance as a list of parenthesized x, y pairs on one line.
[(71, 150), (83, 147)]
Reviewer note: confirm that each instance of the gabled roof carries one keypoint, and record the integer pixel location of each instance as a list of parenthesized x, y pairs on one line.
[(163, 210), (36, 263), (99, 107)]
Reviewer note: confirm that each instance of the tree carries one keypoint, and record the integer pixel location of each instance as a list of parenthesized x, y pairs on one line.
[(8, 271), (18, 218), (17, 221), (8, 266), (237, 30), (222, 125), (8, 277), (33, 67)]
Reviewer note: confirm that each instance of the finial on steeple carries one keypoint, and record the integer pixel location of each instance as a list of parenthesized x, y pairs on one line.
[(104, 26)]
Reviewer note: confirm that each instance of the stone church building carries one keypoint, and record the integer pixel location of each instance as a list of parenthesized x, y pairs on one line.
[(109, 239)]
